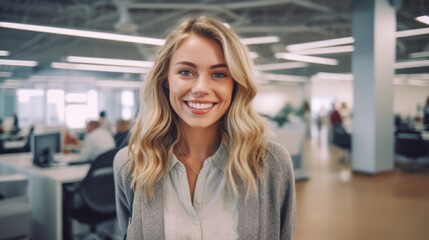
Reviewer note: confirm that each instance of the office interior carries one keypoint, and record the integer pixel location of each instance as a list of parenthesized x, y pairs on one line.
[(368, 59)]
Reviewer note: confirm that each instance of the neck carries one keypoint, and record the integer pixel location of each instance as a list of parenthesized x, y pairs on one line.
[(199, 144)]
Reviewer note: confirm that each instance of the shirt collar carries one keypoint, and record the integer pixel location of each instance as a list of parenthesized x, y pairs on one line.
[(220, 158)]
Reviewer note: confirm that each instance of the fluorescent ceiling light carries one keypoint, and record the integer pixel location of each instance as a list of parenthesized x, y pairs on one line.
[(260, 40), (423, 19), (279, 66), (21, 63), (4, 53), (114, 36), (319, 44), (326, 50), (101, 68), (335, 76), (283, 77), (412, 32), (411, 64), (419, 54), (348, 40), (5, 74), (310, 59), (84, 33), (110, 61)]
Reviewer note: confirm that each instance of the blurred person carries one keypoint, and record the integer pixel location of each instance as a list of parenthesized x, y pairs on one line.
[(15, 125), (346, 116), (426, 115), (199, 161), (1, 126), (344, 111), (122, 133), (335, 116), (97, 140), (104, 122), (71, 142)]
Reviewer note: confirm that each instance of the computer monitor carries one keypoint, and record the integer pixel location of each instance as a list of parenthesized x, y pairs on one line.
[(44, 146)]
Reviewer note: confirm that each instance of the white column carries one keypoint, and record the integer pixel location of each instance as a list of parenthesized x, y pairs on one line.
[(374, 26)]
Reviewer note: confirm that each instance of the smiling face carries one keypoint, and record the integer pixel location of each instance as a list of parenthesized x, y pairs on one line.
[(199, 81)]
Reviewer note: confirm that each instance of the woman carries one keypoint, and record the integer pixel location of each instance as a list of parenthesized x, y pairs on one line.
[(198, 164)]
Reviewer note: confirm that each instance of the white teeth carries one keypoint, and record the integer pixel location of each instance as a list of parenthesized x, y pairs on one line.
[(200, 105)]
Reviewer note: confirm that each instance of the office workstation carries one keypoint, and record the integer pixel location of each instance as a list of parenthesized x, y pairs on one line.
[(45, 191), (50, 169), (378, 69)]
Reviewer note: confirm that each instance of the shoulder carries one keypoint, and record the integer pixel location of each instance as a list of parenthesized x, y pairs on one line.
[(277, 154), (278, 159), (121, 161)]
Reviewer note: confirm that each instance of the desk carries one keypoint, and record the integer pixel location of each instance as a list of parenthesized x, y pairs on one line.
[(44, 192)]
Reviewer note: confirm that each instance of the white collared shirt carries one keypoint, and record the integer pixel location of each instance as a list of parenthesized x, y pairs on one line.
[(95, 143), (214, 212)]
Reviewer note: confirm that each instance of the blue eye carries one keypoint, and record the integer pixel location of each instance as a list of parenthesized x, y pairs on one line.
[(185, 73), (219, 75)]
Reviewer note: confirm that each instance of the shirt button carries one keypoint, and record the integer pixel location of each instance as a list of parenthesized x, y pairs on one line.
[(199, 200)]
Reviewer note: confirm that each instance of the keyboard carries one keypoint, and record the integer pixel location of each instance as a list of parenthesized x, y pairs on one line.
[(78, 162), (61, 159)]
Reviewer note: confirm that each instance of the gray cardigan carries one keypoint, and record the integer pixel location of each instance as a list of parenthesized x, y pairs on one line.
[(269, 215)]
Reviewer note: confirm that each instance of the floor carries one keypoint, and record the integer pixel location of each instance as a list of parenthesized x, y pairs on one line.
[(335, 203)]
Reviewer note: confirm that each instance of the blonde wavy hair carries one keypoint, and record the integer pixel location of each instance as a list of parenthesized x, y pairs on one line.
[(156, 129)]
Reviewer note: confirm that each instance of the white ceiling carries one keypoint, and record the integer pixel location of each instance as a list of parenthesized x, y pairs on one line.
[(294, 21)]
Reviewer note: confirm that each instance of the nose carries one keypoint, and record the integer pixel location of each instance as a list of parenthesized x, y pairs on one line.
[(201, 86)]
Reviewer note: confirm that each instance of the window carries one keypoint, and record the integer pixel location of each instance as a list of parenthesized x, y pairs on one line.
[(127, 104), (80, 106), (31, 104)]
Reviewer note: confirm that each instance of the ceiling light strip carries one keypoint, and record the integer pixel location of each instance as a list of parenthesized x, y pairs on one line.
[(114, 36), (101, 68), (260, 40), (284, 78), (84, 33), (423, 19), (280, 66), (110, 61), (411, 64), (21, 63), (326, 50), (304, 58), (412, 32), (4, 53), (334, 76), (349, 40), (319, 44)]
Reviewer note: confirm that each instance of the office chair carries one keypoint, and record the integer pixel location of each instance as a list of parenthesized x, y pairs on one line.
[(97, 194), (411, 146), (342, 139), (17, 147)]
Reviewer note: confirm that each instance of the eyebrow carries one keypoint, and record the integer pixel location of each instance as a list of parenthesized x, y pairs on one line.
[(220, 65)]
